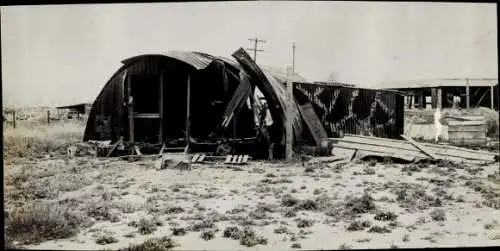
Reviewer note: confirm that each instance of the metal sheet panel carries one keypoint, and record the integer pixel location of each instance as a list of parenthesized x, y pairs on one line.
[(354, 110)]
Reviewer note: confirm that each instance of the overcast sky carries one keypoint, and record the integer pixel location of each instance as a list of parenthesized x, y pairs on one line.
[(55, 55)]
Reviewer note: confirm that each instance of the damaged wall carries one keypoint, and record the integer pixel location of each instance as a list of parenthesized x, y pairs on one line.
[(354, 110)]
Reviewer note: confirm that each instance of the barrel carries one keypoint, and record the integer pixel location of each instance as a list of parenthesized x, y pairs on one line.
[(467, 133)]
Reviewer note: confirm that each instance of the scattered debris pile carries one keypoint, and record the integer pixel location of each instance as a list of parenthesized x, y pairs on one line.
[(359, 147)]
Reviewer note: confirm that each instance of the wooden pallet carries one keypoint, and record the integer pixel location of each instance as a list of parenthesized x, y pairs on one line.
[(229, 159), (236, 159), (198, 158)]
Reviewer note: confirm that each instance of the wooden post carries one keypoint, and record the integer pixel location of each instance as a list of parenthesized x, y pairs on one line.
[(467, 93), (188, 111), (289, 124), (48, 117), (130, 106), (289, 121), (492, 95), (14, 118), (160, 108), (439, 98)]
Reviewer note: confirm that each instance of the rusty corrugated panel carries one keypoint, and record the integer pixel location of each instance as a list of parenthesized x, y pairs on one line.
[(354, 110)]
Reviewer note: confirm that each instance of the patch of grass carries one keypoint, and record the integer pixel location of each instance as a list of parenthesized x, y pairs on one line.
[(369, 171), (249, 238), (102, 211), (358, 225), (303, 223), (385, 216), (105, 239), (35, 223), (406, 238), (276, 181), (296, 245), (201, 225), (179, 231), (207, 235), (146, 226), (153, 244), (233, 233), (380, 230), (491, 225), (438, 215), (281, 230)]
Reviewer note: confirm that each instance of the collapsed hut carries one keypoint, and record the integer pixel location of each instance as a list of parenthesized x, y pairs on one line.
[(201, 103), (179, 98)]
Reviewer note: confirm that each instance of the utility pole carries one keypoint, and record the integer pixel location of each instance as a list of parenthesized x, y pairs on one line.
[(293, 62), (255, 50)]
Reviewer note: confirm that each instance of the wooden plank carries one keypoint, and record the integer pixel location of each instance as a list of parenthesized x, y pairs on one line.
[(245, 158), (466, 123), (419, 146), (375, 142), (468, 141), (160, 108), (467, 135), (137, 150), (384, 149), (202, 158), (195, 158), (466, 129), (437, 148), (234, 159), (312, 121), (147, 115), (228, 159), (188, 111), (113, 148), (348, 154), (130, 106)]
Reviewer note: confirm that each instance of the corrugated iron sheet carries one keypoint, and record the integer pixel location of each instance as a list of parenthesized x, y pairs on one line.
[(354, 110)]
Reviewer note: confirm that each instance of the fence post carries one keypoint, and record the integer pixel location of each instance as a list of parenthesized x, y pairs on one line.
[(48, 117), (14, 118)]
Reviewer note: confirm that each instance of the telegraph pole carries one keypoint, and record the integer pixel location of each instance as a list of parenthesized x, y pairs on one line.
[(293, 62), (255, 50)]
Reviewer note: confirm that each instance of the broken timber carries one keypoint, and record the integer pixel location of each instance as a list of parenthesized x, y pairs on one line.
[(419, 146), (402, 149), (312, 121)]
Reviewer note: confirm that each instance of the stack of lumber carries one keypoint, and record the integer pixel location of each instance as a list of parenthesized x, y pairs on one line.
[(408, 150)]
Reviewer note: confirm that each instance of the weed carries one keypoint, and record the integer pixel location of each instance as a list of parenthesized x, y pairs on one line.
[(105, 239), (296, 245), (178, 231), (232, 232), (303, 223), (385, 216), (35, 223), (438, 215), (249, 238), (380, 230), (207, 235), (153, 244)]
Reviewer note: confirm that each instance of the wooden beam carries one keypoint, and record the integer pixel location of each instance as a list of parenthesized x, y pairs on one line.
[(160, 108), (492, 95), (188, 111), (130, 106), (440, 98), (419, 146), (289, 124), (467, 93)]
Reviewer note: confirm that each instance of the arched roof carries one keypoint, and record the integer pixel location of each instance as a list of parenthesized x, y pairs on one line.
[(200, 60)]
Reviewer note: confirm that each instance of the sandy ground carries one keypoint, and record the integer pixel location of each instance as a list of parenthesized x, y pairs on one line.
[(255, 196)]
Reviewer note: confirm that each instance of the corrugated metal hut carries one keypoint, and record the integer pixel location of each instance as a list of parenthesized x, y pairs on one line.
[(146, 100)]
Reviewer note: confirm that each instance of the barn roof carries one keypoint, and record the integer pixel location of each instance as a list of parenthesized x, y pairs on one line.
[(200, 60), (431, 83)]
